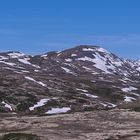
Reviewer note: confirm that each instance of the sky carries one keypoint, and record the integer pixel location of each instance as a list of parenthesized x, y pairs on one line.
[(39, 26)]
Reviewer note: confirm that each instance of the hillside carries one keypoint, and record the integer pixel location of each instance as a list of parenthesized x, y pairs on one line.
[(82, 78)]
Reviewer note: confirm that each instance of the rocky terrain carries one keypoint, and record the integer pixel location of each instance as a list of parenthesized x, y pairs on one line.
[(95, 125), (80, 93), (79, 79)]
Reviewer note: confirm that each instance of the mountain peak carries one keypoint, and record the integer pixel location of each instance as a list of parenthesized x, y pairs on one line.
[(87, 46), (90, 48)]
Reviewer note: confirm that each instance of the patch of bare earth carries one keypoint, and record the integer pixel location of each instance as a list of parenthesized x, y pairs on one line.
[(95, 125)]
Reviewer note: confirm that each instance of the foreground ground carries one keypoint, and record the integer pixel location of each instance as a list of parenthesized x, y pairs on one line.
[(96, 125)]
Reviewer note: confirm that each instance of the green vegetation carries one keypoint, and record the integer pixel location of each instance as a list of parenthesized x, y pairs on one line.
[(137, 109), (19, 136)]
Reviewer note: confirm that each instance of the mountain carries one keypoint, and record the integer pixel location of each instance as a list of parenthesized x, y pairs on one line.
[(78, 79)]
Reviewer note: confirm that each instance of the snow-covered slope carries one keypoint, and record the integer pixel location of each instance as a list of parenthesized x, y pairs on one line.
[(77, 79)]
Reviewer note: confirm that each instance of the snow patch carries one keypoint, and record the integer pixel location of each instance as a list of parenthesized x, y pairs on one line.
[(88, 49), (7, 105), (102, 50), (39, 104), (135, 94), (38, 82), (90, 95), (25, 71), (58, 110), (99, 62), (129, 89), (16, 55), (44, 55), (68, 71), (111, 105), (129, 99), (36, 70), (59, 53), (96, 49), (3, 58), (107, 104), (68, 60), (8, 63), (83, 90), (87, 69), (24, 61), (73, 55)]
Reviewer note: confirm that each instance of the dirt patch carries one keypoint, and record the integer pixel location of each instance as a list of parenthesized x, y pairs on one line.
[(95, 125)]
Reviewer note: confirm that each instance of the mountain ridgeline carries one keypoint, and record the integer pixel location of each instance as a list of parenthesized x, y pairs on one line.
[(83, 78)]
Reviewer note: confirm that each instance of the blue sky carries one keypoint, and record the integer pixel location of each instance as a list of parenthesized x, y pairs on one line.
[(39, 26)]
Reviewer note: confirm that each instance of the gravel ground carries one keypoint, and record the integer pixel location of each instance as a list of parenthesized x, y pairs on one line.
[(95, 125)]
